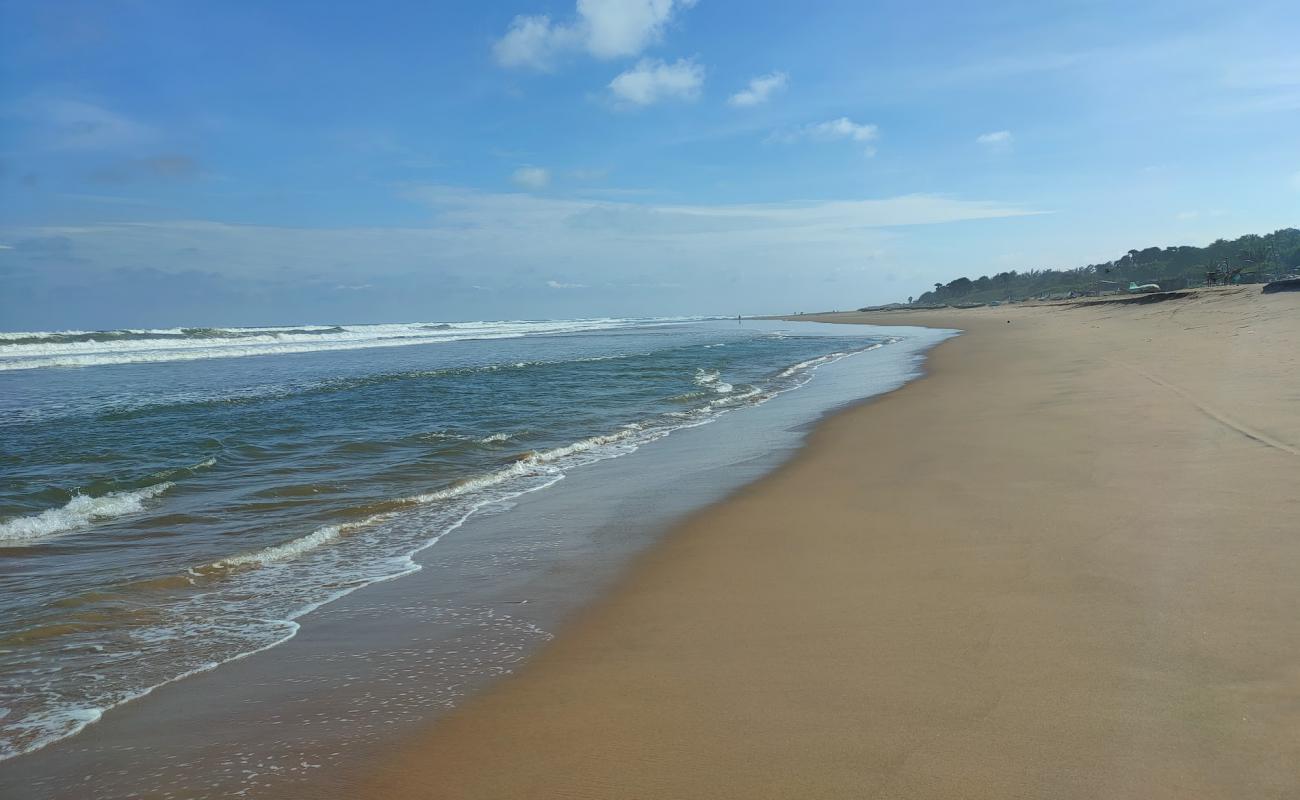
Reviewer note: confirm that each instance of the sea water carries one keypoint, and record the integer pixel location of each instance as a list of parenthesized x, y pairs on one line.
[(172, 500)]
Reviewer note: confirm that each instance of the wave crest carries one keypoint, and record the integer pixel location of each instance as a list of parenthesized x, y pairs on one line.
[(37, 350), (80, 512)]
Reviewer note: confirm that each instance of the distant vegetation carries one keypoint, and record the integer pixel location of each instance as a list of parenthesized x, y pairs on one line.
[(1250, 257)]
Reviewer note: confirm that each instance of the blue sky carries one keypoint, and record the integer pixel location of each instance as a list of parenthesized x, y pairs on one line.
[(258, 163)]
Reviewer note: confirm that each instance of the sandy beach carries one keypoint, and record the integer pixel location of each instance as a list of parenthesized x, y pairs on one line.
[(1061, 565), (649, 399)]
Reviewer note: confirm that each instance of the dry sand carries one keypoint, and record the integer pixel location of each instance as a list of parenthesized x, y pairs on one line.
[(1064, 564)]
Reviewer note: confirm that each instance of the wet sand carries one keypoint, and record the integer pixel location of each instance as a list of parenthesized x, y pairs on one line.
[(1064, 564)]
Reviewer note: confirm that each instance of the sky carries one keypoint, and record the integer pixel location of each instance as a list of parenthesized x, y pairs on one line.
[(245, 163)]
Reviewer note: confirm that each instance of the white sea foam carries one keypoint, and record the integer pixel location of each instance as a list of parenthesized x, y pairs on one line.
[(290, 549), (817, 362), (712, 379), (332, 533), (42, 349), (496, 437), (80, 512), (748, 394), (582, 446), (520, 467), (627, 439), (379, 547), (536, 463)]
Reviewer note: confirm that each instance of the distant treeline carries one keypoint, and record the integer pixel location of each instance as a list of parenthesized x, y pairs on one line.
[(1251, 256)]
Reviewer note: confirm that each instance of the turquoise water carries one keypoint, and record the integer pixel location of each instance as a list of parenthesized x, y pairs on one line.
[(172, 500)]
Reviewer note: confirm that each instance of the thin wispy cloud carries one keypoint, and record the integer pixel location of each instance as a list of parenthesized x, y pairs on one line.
[(61, 123), (498, 224), (696, 256), (588, 175), (604, 29), (653, 81), (759, 90), (508, 245), (839, 129), (842, 128), (995, 140), (531, 177), (714, 105)]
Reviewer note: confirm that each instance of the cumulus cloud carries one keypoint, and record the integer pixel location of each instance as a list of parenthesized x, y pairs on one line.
[(534, 42), (561, 285), (759, 90), (604, 29), (995, 140), (625, 27), (532, 177), (652, 80)]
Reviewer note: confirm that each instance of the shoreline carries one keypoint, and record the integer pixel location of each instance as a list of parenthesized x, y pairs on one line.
[(1026, 589), (374, 667)]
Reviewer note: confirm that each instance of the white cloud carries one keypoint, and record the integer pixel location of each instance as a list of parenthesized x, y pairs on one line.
[(604, 29), (652, 80), (589, 175), (995, 140), (532, 177), (842, 128), (534, 42), (589, 235), (759, 90), (627, 256), (624, 27)]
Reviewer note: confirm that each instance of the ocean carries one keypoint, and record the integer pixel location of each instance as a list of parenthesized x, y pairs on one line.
[(175, 500)]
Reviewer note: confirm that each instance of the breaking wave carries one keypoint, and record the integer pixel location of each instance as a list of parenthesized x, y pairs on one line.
[(81, 512), (246, 595), (36, 350), (712, 379)]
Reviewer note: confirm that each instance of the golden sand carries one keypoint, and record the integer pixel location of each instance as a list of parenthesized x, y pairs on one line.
[(1064, 564)]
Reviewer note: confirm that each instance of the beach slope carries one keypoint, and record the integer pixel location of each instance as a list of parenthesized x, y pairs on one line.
[(1064, 564)]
